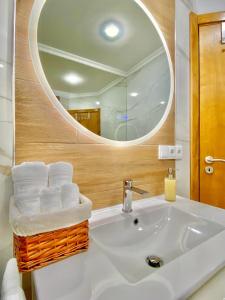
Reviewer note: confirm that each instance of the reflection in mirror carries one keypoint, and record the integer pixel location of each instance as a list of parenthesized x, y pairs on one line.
[(107, 65)]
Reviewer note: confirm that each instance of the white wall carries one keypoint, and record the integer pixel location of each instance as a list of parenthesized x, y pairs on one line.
[(208, 6), (83, 103), (6, 126), (183, 9)]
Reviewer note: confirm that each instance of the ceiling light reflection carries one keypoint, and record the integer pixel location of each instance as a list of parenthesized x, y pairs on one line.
[(111, 30), (73, 78), (134, 94)]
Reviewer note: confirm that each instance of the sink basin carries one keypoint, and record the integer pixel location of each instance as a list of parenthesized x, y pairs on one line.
[(164, 231), (184, 234)]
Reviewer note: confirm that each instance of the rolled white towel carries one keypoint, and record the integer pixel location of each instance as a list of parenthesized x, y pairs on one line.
[(29, 169), (28, 203), (60, 173), (70, 195), (11, 285), (27, 186), (29, 175), (50, 200)]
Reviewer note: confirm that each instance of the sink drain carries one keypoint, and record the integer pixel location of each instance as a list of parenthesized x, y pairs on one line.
[(154, 261)]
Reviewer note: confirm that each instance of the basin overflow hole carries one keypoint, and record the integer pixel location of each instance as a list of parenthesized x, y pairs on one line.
[(136, 221)]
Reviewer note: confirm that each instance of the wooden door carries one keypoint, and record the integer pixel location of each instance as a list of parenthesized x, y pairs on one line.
[(212, 114), (89, 118)]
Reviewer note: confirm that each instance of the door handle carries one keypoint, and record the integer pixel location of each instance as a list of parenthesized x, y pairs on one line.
[(210, 160)]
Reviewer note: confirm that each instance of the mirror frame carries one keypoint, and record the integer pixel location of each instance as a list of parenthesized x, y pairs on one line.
[(34, 51)]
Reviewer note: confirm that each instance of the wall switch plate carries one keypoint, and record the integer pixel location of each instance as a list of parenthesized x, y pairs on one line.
[(167, 152), (170, 152)]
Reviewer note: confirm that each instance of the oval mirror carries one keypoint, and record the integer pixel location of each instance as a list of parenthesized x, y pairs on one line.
[(108, 65)]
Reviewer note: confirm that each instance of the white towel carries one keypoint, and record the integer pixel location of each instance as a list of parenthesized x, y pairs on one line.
[(50, 200), (28, 202), (60, 173), (70, 195), (11, 286), (29, 175)]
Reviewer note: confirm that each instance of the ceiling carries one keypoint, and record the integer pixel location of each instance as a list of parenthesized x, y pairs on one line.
[(56, 67), (74, 26)]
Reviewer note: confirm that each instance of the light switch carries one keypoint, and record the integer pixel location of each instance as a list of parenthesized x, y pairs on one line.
[(170, 152)]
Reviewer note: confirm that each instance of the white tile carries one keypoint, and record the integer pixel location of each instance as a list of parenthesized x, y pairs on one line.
[(6, 192), (6, 129), (183, 171), (5, 110), (6, 139), (6, 81), (182, 95), (183, 8), (182, 27), (5, 230), (5, 160), (182, 98), (6, 30)]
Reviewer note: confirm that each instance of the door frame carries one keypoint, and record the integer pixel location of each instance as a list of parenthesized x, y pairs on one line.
[(195, 22)]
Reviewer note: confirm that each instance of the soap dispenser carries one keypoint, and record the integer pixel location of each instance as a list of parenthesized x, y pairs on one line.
[(170, 186)]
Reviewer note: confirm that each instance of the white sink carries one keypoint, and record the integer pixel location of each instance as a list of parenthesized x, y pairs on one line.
[(187, 235), (166, 232)]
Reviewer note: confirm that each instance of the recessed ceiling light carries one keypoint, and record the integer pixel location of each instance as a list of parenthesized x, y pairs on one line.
[(163, 102), (111, 30), (134, 94), (1, 66), (97, 103), (73, 78)]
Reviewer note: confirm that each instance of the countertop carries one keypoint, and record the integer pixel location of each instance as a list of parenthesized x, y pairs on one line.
[(214, 289)]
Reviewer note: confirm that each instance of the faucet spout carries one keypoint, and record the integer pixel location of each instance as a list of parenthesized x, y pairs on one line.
[(128, 190), (139, 191)]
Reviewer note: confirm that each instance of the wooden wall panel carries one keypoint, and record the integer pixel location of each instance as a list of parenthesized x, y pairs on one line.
[(43, 134)]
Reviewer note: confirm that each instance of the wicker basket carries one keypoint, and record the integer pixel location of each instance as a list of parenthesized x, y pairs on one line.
[(39, 250)]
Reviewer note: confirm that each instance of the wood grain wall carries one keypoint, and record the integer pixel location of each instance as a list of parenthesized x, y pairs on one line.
[(43, 134)]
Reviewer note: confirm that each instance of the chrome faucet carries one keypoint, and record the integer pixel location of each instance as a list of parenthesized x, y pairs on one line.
[(128, 190)]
